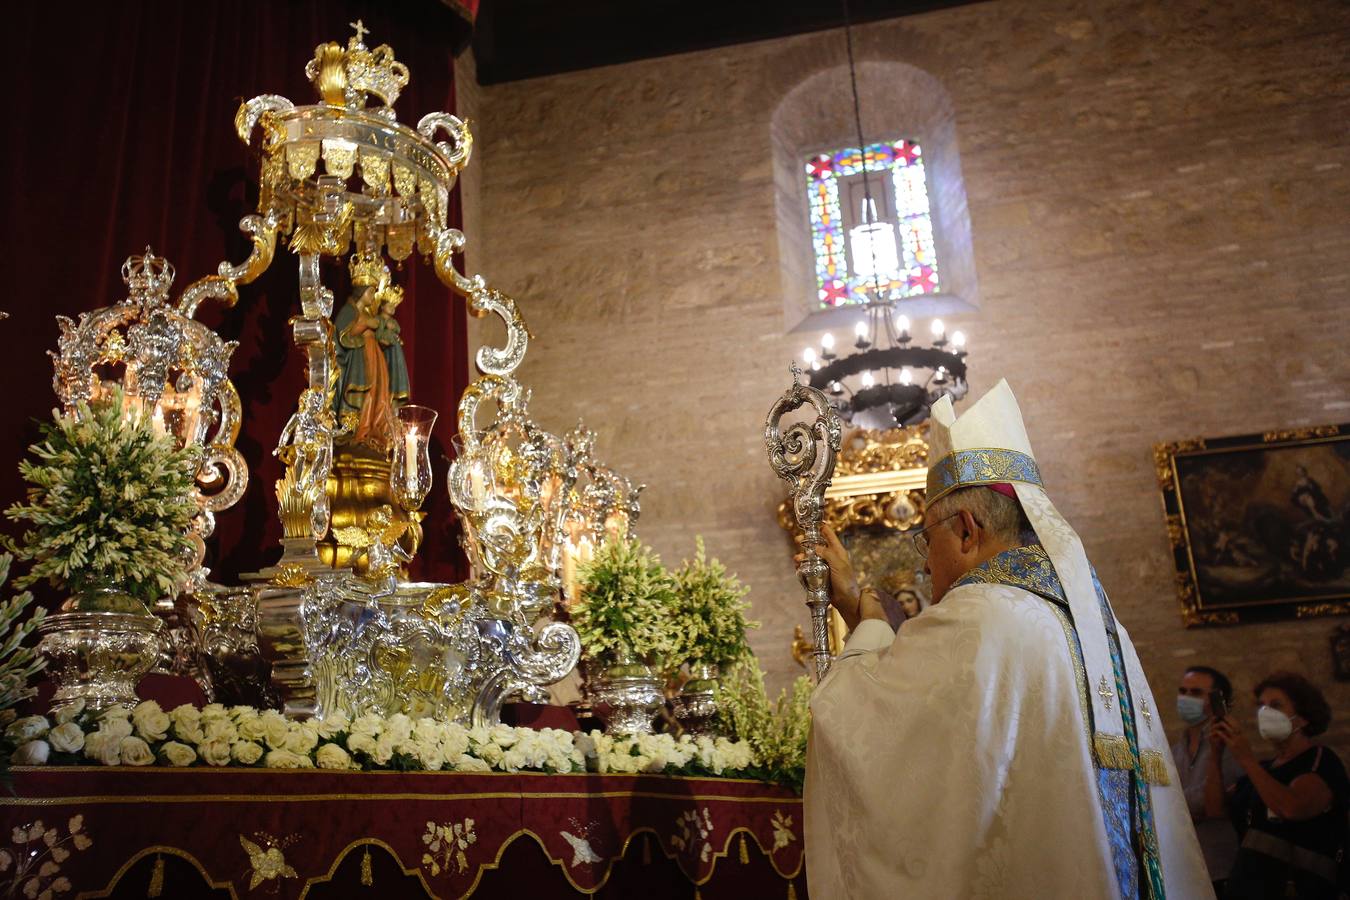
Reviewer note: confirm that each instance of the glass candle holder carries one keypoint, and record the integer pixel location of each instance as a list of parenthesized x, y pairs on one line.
[(410, 470)]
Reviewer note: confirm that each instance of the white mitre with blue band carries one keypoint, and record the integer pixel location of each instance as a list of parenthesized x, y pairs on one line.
[(988, 444)]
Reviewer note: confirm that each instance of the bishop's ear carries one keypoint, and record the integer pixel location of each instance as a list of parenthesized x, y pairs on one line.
[(967, 529)]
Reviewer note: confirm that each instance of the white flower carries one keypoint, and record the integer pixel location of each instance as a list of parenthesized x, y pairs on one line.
[(68, 712), (332, 756), (275, 728), (249, 723), (178, 754), (136, 752), (398, 726), (104, 746), (479, 735), (455, 740), (466, 763), (361, 743), (215, 752), (428, 730), (213, 711), (285, 759), (116, 726), (385, 747), (491, 754), (429, 753), (27, 728), (369, 725), (246, 752), (152, 723), (187, 723), (333, 724), (503, 736), (218, 730), (67, 737), (31, 753), (302, 738), (116, 711)]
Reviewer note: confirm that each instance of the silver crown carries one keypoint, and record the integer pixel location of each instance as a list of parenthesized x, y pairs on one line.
[(148, 278)]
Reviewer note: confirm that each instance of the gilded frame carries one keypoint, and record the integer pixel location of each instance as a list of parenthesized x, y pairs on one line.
[(1250, 560)]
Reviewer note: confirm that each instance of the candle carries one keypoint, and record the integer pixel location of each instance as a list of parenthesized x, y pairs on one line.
[(410, 460)]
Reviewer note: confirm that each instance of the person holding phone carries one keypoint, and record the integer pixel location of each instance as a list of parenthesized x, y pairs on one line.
[(1203, 696), (1290, 810)]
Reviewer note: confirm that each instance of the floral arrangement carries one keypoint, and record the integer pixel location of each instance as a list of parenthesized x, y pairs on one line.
[(776, 731), (626, 604), (243, 736), (110, 501), (18, 664), (710, 612)]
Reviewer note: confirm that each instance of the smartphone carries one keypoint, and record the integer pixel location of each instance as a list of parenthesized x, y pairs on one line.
[(1218, 706)]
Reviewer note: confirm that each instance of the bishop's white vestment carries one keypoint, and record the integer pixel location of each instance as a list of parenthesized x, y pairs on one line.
[(1005, 743)]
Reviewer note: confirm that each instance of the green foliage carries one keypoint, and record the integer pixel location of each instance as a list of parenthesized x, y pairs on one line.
[(626, 605), (776, 731), (710, 612), (110, 501), (18, 664)]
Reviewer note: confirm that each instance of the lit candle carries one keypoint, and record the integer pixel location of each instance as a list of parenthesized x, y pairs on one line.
[(410, 460), (902, 323), (938, 329), (860, 329), (958, 339), (157, 420), (868, 380), (827, 341), (808, 356), (906, 376)]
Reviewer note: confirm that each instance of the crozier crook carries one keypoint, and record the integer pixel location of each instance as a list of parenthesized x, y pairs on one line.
[(803, 456)]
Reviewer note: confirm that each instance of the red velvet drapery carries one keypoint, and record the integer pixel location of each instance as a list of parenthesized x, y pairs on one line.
[(119, 133)]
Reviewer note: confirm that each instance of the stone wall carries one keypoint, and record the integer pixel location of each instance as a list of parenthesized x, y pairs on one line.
[(1157, 192)]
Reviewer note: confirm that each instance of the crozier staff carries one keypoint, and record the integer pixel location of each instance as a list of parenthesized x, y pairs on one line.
[(1004, 743)]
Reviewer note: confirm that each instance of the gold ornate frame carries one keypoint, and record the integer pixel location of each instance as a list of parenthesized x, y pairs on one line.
[(1177, 460)]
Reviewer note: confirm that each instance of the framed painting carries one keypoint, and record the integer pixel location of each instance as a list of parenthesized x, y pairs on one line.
[(1258, 524)]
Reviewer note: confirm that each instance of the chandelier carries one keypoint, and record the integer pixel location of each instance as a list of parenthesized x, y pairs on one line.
[(889, 380)]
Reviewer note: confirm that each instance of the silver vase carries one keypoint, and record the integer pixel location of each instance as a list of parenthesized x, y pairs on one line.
[(626, 697), (696, 705), (99, 655)]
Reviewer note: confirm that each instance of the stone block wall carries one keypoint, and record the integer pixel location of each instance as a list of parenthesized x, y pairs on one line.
[(1157, 194)]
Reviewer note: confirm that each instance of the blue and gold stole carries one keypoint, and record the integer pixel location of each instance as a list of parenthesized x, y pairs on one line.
[(1123, 772)]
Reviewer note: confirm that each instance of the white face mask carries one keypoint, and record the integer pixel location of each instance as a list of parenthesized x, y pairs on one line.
[(1273, 724), (1191, 709)]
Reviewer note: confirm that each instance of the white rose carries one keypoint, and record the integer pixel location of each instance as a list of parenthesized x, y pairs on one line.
[(384, 750), (361, 743), (136, 752), (332, 756), (275, 729), (27, 728), (105, 747), (218, 730), (503, 736), (187, 723), (67, 737), (428, 730), (285, 759), (116, 711), (429, 753), (466, 763), (301, 738), (31, 753), (117, 727), (454, 740), (333, 724), (246, 752), (399, 726), (215, 752), (178, 754), (151, 722), (68, 712), (215, 711), (250, 726), (368, 725), (480, 735), (491, 754)]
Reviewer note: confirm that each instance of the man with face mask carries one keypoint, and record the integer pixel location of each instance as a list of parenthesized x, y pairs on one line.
[(1191, 753), (1003, 744)]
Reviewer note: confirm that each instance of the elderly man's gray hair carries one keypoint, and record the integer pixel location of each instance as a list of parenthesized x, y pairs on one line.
[(1002, 516)]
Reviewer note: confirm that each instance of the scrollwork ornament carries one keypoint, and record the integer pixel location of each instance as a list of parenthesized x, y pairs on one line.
[(803, 455)]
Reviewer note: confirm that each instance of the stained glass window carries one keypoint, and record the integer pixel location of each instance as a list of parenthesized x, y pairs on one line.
[(887, 246)]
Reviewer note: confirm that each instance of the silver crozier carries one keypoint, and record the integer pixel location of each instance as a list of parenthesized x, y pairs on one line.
[(803, 456)]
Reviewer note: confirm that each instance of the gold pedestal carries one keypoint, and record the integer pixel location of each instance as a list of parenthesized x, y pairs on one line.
[(358, 484)]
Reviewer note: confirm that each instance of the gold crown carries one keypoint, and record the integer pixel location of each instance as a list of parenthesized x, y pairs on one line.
[(148, 277), (368, 269), (344, 77), (390, 293)]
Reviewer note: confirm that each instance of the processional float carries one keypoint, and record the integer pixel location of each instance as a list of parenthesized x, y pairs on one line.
[(334, 625)]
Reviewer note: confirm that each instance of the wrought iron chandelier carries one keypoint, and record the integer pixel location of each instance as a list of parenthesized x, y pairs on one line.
[(889, 380)]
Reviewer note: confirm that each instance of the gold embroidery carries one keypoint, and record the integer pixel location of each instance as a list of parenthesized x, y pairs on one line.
[(266, 865), (1154, 767), (1105, 693), (745, 853), (1113, 751), (1146, 713), (367, 877), (980, 465), (156, 878)]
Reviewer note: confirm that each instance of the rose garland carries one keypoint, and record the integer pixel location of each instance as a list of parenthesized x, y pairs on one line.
[(243, 736)]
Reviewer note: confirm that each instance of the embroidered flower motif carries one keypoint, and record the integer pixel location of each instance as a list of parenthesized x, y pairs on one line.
[(693, 828), (267, 864), (447, 843), (782, 830), (33, 866)]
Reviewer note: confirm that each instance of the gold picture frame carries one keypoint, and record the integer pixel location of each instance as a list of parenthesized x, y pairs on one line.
[(1258, 524)]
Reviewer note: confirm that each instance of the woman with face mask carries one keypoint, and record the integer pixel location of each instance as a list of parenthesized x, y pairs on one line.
[(1290, 810)]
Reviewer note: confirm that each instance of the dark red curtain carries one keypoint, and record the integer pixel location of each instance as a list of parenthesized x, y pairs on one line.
[(120, 134)]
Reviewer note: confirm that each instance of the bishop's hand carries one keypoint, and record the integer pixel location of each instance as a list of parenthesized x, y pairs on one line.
[(853, 604)]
